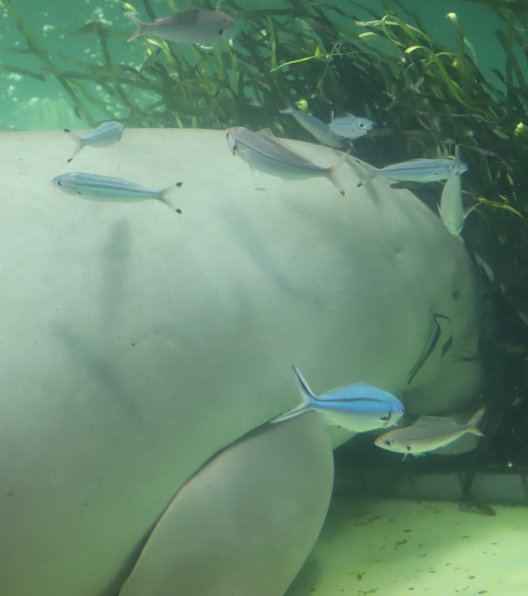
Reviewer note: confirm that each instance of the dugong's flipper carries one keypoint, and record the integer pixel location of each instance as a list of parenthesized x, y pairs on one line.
[(246, 521)]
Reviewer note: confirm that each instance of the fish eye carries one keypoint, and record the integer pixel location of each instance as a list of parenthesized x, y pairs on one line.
[(59, 182), (388, 442)]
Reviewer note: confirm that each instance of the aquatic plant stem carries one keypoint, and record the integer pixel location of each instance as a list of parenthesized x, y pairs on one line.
[(45, 59)]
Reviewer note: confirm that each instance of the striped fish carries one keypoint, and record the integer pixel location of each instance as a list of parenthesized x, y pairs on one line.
[(106, 189), (429, 433), (317, 128), (190, 26), (350, 126), (357, 408), (418, 170), (264, 152), (104, 135)]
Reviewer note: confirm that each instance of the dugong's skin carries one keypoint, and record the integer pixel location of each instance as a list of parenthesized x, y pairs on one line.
[(260, 533), (136, 342)]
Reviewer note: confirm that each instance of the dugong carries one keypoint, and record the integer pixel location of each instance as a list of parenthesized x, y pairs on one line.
[(144, 350)]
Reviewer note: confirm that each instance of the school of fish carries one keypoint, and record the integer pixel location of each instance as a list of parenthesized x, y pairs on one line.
[(356, 407)]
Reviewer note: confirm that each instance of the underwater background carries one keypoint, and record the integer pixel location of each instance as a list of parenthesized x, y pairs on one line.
[(432, 75)]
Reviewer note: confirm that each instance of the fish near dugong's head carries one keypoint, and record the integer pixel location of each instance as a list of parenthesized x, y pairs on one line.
[(357, 408)]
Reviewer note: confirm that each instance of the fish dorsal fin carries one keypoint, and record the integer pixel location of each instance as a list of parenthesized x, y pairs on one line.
[(283, 148), (425, 419), (429, 420), (267, 132)]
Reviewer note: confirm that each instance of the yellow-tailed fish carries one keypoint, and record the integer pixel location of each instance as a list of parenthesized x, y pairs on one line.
[(191, 26), (317, 128), (350, 126), (418, 170), (104, 135), (264, 152), (357, 408), (428, 433), (107, 189)]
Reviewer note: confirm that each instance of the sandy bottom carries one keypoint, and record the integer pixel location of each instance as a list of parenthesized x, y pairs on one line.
[(392, 548)]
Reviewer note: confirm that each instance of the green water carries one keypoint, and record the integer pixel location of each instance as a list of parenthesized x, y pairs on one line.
[(29, 103)]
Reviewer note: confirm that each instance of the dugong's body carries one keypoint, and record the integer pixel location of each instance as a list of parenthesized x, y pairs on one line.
[(137, 342)]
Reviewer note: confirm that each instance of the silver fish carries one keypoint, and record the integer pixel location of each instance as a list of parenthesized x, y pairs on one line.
[(317, 128), (428, 433), (264, 152), (107, 189), (350, 126), (357, 408), (451, 208), (104, 135), (191, 26), (419, 170)]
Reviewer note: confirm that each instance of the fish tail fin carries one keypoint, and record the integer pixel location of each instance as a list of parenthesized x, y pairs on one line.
[(77, 140), (333, 176), (137, 22), (162, 195), (471, 209), (370, 172), (473, 423), (306, 395)]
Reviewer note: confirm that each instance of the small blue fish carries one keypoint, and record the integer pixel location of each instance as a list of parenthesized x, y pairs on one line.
[(191, 26), (351, 127), (107, 189), (419, 170), (264, 152), (104, 135), (357, 408), (317, 128)]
